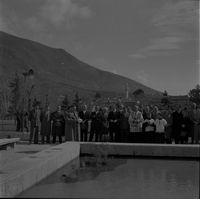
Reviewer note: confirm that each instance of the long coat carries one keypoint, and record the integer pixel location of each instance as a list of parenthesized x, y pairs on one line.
[(72, 127), (58, 124), (176, 126), (45, 120), (85, 117)]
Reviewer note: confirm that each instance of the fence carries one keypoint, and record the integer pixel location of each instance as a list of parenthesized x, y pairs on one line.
[(7, 125)]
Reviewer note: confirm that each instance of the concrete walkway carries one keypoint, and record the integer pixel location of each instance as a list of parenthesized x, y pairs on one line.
[(21, 150)]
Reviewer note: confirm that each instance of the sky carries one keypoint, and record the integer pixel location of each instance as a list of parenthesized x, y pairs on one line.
[(155, 42)]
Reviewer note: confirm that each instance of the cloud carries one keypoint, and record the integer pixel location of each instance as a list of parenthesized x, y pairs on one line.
[(184, 12), (174, 21), (166, 43), (141, 77), (6, 23), (59, 13), (62, 12), (35, 24), (160, 46), (136, 55)]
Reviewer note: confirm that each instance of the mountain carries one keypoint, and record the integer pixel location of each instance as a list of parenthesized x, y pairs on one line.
[(57, 71)]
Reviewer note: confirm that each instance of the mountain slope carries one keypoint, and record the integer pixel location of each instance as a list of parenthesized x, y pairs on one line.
[(58, 67)]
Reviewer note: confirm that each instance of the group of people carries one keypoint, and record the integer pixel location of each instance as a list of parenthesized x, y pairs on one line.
[(117, 123)]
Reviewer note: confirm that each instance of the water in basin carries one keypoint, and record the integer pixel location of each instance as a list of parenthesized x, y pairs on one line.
[(124, 178)]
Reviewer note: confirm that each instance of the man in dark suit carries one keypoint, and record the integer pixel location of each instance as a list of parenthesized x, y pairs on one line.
[(96, 124), (177, 122), (114, 124), (34, 118), (85, 116)]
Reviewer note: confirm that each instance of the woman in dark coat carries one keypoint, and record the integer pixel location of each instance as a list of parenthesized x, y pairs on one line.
[(185, 121), (124, 125), (58, 124), (45, 120), (105, 125)]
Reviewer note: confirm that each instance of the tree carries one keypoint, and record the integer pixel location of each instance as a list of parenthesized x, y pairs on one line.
[(98, 95), (15, 94), (166, 99), (36, 102), (139, 95), (5, 93), (138, 92), (165, 94), (65, 103), (77, 101), (194, 95)]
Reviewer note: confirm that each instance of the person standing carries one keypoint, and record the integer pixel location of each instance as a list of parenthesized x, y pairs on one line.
[(197, 126), (26, 124), (58, 121), (124, 124), (135, 122), (168, 129), (148, 129), (105, 126), (84, 116), (114, 124), (160, 124), (18, 120), (146, 112), (77, 125), (34, 118), (96, 124), (191, 114), (184, 127), (176, 127), (45, 120), (155, 112)]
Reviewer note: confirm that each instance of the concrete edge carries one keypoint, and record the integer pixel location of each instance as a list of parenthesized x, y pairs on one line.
[(152, 150), (33, 170)]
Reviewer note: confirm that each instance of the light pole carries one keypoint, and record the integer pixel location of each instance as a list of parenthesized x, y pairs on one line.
[(30, 74)]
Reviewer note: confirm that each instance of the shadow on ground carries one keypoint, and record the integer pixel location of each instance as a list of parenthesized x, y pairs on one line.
[(28, 152)]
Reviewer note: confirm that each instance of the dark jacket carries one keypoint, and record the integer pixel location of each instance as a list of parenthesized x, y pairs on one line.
[(58, 124), (96, 119), (114, 116), (124, 124), (85, 117)]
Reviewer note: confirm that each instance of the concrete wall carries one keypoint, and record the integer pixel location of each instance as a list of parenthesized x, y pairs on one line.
[(24, 173), (163, 150)]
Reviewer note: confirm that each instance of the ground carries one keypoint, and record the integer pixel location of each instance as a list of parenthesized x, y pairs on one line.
[(22, 148)]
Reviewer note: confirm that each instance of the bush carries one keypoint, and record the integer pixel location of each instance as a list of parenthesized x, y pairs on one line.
[(100, 155)]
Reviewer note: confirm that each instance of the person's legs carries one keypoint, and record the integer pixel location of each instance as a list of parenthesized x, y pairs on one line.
[(48, 138), (91, 133), (111, 135), (36, 135), (117, 134), (82, 133), (122, 135), (42, 139), (97, 132), (60, 139), (54, 138), (85, 133), (168, 141), (32, 132)]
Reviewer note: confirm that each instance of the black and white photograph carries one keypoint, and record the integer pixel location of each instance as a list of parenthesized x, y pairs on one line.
[(99, 99)]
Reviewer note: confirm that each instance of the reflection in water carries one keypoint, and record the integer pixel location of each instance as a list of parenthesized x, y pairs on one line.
[(124, 178)]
